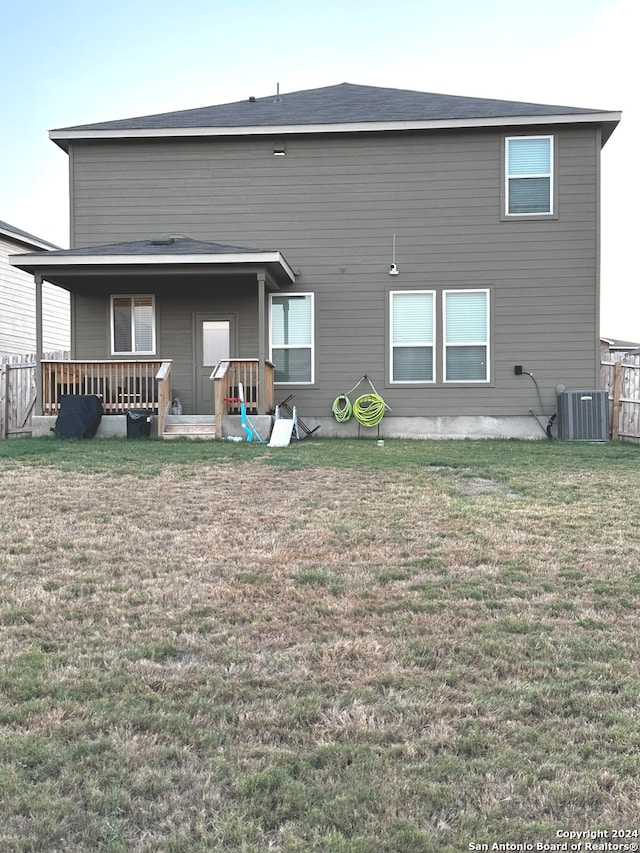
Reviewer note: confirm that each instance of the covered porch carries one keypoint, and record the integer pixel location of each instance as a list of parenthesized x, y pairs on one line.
[(170, 290)]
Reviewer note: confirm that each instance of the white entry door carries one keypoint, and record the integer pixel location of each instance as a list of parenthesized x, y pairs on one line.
[(215, 340)]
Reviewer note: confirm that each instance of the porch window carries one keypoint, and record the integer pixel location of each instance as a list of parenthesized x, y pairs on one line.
[(529, 178), (412, 336), (291, 337), (133, 329), (466, 335)]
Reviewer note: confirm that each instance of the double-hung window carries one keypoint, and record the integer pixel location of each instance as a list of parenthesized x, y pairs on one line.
[(133, 327), (412, 335), (291, 337), (466, 335), (529, 175)]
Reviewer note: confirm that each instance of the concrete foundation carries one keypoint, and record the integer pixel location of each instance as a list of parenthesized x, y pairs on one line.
[(115, 426), (232, 426), (524, 427), (111, 426)]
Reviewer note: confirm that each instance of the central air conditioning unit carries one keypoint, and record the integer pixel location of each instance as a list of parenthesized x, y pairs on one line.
[(583, 415)]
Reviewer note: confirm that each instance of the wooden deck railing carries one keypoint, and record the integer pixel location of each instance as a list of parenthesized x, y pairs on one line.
[(121, 385), (165, 393), (227, 377)]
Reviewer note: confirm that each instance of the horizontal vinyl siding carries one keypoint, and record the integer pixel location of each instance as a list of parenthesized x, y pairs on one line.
[(56, 325), (237, 191), (332, 206), (18, 308)]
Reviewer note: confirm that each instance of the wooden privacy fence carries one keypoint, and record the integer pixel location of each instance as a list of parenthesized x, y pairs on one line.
[(18, 392), (620, 376)]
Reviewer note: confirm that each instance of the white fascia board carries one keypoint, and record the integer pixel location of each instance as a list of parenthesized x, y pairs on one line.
[(46, 260), (34, 242), (285, 266), (348, 127)]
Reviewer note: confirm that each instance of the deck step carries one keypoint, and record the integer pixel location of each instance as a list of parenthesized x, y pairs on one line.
[(189, 426)]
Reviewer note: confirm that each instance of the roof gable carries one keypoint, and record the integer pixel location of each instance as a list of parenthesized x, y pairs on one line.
[(341, 107), (23, 238)]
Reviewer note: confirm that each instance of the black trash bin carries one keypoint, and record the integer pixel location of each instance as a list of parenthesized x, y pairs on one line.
[(138, 423)]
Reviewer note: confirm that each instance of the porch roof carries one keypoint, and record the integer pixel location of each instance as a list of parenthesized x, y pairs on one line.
[(170, 254)]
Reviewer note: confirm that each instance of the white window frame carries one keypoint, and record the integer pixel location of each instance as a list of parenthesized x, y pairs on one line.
[(393, 346), (486, 342), (310, 346), (132, 298), (550, 174)]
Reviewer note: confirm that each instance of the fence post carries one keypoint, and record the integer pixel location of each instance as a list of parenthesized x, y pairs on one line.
[(4, 400), (615, 414)]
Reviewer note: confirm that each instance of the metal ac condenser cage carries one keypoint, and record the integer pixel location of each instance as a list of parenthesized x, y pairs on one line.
[(583, 415)]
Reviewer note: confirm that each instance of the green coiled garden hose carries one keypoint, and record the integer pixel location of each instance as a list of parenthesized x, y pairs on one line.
[(342, 409), (368, 409)]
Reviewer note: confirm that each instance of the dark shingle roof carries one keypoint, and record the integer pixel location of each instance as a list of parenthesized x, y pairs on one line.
[(172, 244), (345, 103), (59, 267)]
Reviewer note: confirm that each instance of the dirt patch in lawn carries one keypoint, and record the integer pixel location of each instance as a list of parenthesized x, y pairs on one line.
[(467, 484)]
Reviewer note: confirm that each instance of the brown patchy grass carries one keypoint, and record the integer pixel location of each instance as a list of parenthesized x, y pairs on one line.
[(374, 653)]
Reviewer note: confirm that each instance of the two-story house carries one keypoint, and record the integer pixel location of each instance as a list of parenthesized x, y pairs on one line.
[(429, 242)]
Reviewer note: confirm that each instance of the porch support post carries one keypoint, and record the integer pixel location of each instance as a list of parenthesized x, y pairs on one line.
[(262, 342), (39, 350)]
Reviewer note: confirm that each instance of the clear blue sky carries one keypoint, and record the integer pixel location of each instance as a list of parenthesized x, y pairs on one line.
[(76, 61)]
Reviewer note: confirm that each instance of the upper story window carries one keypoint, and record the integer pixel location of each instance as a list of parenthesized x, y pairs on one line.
[(412, 336), (291, 337), (133, 325), (529, 175)]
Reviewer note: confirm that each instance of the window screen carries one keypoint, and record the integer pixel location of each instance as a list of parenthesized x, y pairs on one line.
[(466, 335), (292, 338), (133, 324), (412, 336), (529, 175)]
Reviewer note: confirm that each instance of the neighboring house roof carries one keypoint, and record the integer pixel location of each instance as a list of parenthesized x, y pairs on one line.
[(616, 344), (342, 108), (26, 239), (155, 252)]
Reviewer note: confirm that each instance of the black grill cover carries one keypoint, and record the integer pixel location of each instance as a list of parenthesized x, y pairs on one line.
[(79, 415)]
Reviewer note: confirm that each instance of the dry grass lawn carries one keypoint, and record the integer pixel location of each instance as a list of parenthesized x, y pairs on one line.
[(332, 647)]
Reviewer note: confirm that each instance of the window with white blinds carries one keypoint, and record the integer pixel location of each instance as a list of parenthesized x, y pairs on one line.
[(291, 338), (412, 335), (529, 175), (466, 335), (133, 325)]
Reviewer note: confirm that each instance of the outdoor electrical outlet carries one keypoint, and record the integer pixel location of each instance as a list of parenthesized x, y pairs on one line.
[(518, 369)]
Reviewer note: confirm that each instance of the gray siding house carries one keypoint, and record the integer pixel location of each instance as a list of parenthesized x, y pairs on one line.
[(429, 242)]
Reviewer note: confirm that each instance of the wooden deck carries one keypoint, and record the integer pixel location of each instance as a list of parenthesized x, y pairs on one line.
[(137, 384)]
